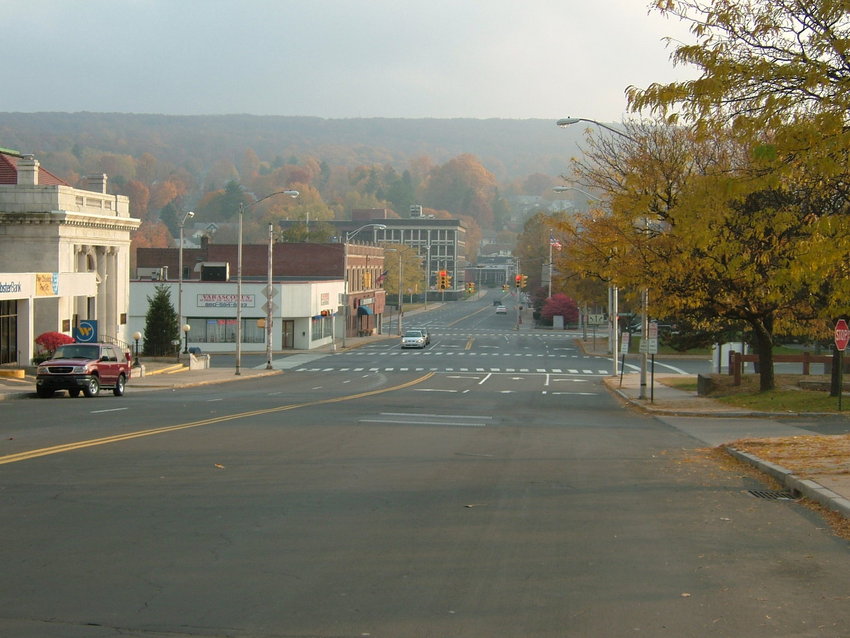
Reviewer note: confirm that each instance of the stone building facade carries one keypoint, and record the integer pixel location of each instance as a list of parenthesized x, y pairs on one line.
[(76, 239)]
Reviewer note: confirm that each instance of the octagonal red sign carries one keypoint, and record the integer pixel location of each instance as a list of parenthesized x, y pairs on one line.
[(842, 334)]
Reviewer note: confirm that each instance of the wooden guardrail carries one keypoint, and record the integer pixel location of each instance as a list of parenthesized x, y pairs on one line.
[(737, 360)]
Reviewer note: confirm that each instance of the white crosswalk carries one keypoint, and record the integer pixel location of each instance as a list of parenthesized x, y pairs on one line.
[(571, 371), (458, 353)]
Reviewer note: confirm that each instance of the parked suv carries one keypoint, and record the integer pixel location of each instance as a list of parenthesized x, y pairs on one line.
[(84, 367)]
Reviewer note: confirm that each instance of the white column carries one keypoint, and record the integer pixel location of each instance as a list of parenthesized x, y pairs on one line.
[(26, 331)]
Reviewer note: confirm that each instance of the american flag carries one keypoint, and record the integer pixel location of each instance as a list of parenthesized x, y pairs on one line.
[(383, 276), (553, 242)]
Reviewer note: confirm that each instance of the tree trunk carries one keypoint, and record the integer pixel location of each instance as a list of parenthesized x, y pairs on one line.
[(837, 360), (764, 345)]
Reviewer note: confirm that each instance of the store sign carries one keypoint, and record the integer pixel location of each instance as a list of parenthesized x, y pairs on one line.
[(46, 284), (11, 289), (224, 301)]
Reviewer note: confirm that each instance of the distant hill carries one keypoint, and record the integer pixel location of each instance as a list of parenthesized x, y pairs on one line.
[(510, 149)]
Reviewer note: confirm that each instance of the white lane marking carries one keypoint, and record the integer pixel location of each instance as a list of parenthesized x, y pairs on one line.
[(463, 425), (435, 416)]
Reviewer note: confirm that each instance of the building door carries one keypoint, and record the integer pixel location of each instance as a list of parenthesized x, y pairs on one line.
[(8, 331), (288, 333)]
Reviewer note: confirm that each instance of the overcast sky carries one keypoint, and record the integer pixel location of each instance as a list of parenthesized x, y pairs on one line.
[(334, 58)]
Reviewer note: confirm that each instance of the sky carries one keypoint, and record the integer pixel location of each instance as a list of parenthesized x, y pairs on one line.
[(514, 59)]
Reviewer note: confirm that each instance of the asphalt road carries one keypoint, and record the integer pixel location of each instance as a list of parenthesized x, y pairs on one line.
[(415, 502)]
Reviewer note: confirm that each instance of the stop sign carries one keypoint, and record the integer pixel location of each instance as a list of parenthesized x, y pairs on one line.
[(842, 334)]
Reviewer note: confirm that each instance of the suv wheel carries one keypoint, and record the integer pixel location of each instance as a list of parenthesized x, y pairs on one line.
[(74, 393), (92, 387), (118, 390)]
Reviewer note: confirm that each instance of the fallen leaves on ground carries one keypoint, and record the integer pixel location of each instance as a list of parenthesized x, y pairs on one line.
[(804, 455)]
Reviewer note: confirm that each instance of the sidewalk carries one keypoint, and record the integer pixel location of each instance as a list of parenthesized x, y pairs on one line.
[(823, 478)]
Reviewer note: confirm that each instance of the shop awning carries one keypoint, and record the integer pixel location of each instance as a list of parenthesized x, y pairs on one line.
[(364, 310)]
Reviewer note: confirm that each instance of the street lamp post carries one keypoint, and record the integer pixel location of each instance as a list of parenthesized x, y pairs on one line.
[(136, 336), (186, 329), (427, 270), (348, 238), (182, 223), (644, 360), (269, 301), (400, 279), (293, 194)]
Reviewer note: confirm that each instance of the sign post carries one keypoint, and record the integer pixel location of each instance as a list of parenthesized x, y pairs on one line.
[(624, 350), (842, 338)]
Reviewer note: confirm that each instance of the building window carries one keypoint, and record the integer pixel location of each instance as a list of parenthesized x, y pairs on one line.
[(223, 330), (321, 328)]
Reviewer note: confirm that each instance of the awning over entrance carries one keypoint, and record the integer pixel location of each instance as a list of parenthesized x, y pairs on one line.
[(363, 310)]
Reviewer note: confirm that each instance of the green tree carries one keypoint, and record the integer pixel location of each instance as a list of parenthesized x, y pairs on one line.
[(168, 216), (161, 329)]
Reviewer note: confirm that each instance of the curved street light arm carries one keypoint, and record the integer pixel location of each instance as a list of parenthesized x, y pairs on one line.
[(568, 121), (564, 189)]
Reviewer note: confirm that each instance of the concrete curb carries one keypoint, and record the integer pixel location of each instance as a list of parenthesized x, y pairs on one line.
[(721, 413), (805, 487), (162, 384)]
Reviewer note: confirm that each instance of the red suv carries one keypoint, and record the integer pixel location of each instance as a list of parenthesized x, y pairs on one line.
[(84, 367)]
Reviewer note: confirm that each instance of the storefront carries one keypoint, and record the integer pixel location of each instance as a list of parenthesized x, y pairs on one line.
[(32, 303), (304, 318)]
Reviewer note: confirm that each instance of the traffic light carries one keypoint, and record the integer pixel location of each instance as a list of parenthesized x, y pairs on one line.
[(518, 281), (524, 281), (505, 287), (442, 280)]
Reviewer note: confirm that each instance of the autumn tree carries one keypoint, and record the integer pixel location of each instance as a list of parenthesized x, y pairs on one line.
[(151, 234), (223, 205), (773, 75), (761, 62), (139, 195), (559, 304), (725, 239), (463, 186), (412, 271), (532, 247)]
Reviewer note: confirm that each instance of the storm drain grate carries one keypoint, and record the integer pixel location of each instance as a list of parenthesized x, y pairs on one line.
[(773, 495)]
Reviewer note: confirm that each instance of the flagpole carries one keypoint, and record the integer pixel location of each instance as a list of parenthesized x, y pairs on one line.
[(550, 264)]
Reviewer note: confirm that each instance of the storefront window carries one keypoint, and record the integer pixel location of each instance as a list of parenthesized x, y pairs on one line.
[(215, 330), (321, 328)]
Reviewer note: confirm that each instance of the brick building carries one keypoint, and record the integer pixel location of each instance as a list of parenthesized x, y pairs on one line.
[(210, 272)]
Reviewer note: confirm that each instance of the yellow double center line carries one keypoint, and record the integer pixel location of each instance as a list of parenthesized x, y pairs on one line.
[(117, 438)]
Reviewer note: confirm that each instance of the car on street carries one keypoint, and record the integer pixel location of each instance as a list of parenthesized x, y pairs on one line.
[(84, 367), (414, 339), (501, 310)]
